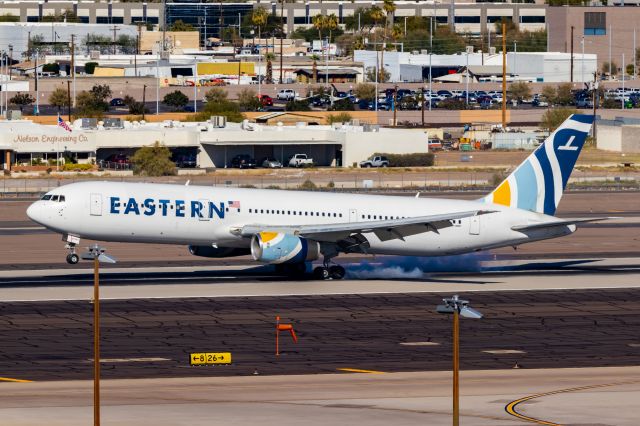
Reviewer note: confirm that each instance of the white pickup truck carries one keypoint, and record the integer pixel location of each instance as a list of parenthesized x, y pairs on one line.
[(300, 160), (377, 161), (287, 95)]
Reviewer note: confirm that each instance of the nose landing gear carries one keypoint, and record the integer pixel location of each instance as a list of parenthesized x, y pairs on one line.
[(72, 257)]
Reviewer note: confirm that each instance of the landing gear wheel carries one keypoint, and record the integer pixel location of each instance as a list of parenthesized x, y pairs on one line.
[(337, 272), (321, 273), (72, 258)]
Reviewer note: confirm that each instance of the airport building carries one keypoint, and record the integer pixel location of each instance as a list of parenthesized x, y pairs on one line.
[(214, 143)]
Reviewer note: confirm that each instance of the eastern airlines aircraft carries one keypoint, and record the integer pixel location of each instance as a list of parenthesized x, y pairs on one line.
[(290, 228)]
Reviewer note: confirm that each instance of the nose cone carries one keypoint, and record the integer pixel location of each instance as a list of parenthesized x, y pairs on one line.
[(35, 212)]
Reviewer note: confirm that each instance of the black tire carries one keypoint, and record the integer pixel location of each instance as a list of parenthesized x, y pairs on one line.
[(73, 258), (337, 272), (321, 273)]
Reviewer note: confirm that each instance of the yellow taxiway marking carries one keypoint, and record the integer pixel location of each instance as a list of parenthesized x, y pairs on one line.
[(355, 370), (9, 379), (511, 407)]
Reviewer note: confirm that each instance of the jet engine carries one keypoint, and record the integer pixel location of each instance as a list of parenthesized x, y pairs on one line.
[(276, 247), (217, 252)]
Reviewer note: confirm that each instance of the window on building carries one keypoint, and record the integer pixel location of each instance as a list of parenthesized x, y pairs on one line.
[(595, 23), (532, 20), (467, 20)]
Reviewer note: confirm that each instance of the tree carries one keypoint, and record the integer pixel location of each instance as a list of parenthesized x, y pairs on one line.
[(90, 67), (180, 25), (519, 91), (554, 117), (549, 95), (294, 105), (59, 98), (176, 99), (153, 160), (564, 95), (21, 100), (269, 58), (630, 69), (259, 18), (383, 76), (128, 100), (366, 91), (248, 100), (342, 105), (314, 69), (216, 95), (613, 67), (86, 106)]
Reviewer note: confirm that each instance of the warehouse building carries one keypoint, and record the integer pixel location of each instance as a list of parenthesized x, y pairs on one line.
[(215, 143)]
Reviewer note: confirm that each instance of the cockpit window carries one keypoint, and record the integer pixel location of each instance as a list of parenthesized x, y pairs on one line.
[(54, 198), (47, 197), (61, 199)]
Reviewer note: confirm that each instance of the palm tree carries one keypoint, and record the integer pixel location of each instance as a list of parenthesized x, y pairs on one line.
[(269, 57), (389, 7), (331, 23), (377, 15), (259, 19), (319, 23), (315, 67)]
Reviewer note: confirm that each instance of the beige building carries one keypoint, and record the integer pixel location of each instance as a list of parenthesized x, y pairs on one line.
[(609, 32)]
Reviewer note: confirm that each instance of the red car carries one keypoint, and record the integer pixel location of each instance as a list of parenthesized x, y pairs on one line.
[(265, 100)]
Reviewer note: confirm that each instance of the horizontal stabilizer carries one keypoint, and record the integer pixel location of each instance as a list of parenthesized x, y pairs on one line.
[(562, 222)]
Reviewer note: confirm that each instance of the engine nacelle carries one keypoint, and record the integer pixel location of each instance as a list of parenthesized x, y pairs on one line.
[(275, 247), (217, 252)]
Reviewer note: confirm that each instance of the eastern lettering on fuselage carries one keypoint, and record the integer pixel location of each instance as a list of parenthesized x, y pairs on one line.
[(161, 207)]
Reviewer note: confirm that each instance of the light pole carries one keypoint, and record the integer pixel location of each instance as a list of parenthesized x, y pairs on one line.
[(96, 253), (457, 307), (431, 53), (158, 82)]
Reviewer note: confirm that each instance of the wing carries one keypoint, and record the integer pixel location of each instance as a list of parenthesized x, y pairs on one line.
[(384, 229), (561, 222)]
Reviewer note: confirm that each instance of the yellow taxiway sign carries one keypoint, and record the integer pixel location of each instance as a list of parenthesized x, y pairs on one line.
[(206, 358)]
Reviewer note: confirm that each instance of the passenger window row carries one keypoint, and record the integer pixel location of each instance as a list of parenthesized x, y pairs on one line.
[(381, 217), (294, 213)]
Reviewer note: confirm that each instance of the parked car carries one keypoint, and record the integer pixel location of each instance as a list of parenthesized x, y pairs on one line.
[(271, 163), (287, 95), (265, 100), (243, 161), (189, 108), (116, 161), (186, 161), (117, 102), (300, 160), (584, 103), (377, 161)]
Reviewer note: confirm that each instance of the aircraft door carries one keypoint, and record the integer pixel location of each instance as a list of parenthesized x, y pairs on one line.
[(353, 215), (474, 225), (204, 213), (96, 205)]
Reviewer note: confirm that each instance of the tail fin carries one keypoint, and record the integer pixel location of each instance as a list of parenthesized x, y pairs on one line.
[(537, 184)]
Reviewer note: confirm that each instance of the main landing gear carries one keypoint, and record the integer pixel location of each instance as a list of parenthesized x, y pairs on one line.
[(326, 272)]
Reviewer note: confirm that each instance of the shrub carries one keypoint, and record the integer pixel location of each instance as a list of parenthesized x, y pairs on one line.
[(294, 105), (248, 100), (153, 160), (417, 159), (342, 105), (308, 185), (176, 99), (343, 117), (76, 167)]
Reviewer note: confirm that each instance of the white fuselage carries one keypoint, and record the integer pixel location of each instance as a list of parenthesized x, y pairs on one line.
[(200, 215)]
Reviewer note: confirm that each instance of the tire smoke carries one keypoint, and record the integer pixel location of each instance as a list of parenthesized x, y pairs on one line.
[(410, 267)]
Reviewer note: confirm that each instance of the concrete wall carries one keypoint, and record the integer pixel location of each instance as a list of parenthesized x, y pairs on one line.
[(610, 138), (631, 139)]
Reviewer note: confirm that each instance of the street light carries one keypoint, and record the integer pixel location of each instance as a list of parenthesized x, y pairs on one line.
[(96, 253), (457, 307)]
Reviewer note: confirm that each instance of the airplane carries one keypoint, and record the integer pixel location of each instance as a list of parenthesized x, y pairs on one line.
[(289, 229)]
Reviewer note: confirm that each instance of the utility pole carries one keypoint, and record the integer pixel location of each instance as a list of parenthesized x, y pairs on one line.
[(115, 29), (11, 59), (35, 73), (73, 67), (422, 105), (571, 77), (281, 37), (504, 76), (395, 105), (595, 103), (239, 68), (69, 99), (144, 99), (164, 23)]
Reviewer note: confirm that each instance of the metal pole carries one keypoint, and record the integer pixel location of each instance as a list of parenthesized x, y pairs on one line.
[(610, 37), (158, 83), (430, 54), (144, 100), (635, 55), (281, 40), (422, 105), (623, 73), (395, 105), (467, 83), (504, 76), (326, 72), (259, 74), (35, 71), (69, 99), (195, 95), (582, 62), (571, 76), (456, 366), (375, 102), (73, 66), (96, 341)]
